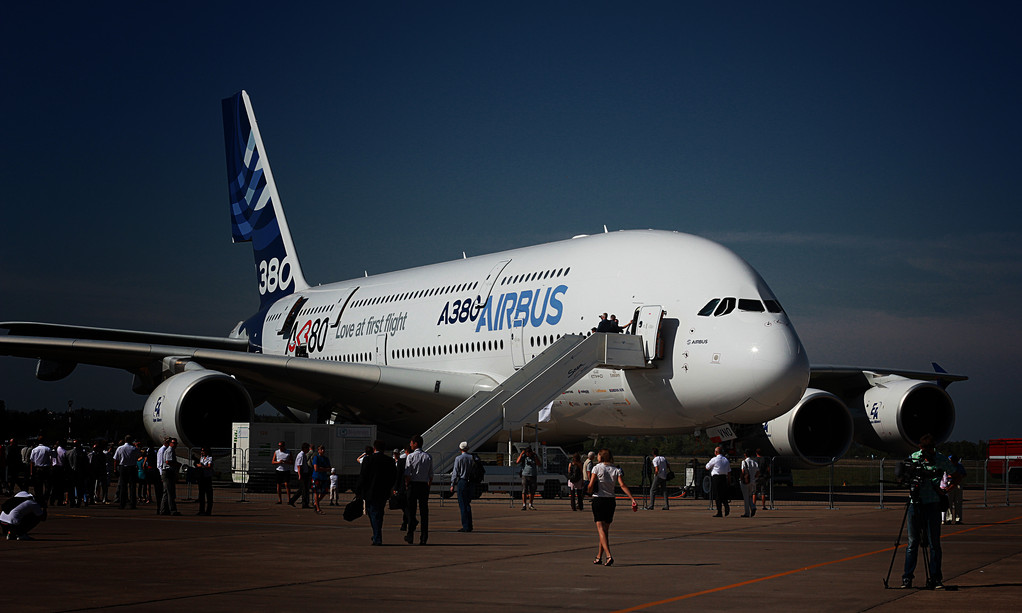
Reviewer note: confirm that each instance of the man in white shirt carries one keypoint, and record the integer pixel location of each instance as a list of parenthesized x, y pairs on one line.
[(750, 469), (587, 468), (304, 475), (168, 474), (125, 458), (660, 468), (720, 474), (40, 464), (418, 479), (160, 452), (281, 461)]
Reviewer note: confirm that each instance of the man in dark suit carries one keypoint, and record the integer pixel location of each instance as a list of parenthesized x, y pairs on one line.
[(375, 484)]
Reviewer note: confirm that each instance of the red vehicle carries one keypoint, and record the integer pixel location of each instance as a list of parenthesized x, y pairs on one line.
[(1001, 449)]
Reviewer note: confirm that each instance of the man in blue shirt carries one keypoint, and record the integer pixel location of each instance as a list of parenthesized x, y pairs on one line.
[(461, 484), (924, 513)]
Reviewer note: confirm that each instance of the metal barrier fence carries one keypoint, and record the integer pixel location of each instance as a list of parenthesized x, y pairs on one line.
[(847, 480), (236, 478)]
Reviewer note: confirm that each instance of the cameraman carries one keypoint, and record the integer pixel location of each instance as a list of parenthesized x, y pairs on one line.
[(924, 511)]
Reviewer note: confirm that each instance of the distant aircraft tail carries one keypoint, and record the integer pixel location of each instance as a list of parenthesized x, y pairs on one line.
[(256, 214)]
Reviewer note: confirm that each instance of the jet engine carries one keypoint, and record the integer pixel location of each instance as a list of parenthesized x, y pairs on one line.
[(815, 432), (896, 412), (196, 407)]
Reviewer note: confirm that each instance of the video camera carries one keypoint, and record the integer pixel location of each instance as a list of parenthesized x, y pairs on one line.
[(914, 472)]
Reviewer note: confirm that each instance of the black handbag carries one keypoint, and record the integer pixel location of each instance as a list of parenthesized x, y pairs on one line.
[(354, 509), (397, 502), (670, 474)]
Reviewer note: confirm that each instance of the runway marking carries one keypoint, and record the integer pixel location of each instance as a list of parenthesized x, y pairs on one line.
[(798, 570)]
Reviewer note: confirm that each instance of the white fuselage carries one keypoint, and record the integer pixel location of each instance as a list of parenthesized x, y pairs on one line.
[(745, 366)]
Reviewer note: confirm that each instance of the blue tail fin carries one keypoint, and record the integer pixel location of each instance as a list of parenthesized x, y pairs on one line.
[(256, 214)]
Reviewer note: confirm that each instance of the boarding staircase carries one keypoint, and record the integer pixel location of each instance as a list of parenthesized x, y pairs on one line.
[(521, 395)]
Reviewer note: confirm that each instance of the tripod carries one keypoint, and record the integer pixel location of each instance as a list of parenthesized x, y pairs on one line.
[(924, 543)]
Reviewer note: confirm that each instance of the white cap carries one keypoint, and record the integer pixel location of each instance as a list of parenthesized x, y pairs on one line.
[(463, 446), (23, 494)]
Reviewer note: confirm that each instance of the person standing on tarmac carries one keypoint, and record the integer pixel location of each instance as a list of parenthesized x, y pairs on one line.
[(530, 473), (320, 477), (952, 484), (281, 459), (40, 466), (125, 459), (924, 513), (576, 482), (461, 484), (720, 476), (375, 483), (304, 477), (587, 468), (750, 470), (204, 466), (169, 465), (418, 480), (660, 468)]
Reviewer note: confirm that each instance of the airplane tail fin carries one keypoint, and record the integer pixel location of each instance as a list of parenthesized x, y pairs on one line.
[(256, 213)]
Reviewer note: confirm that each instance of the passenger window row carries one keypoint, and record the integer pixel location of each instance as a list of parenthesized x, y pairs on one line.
[(436, 291), (451, 349), (314, 311), (528, 277)]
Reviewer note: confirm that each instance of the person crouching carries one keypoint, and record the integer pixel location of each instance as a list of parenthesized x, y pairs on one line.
[(19, 515)]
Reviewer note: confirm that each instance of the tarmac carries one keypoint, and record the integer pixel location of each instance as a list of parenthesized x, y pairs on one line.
[(261, 556)]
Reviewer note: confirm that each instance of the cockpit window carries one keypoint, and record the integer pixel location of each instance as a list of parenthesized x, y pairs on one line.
[(707, 310), (726, 306), (753, 306), (722, 306)]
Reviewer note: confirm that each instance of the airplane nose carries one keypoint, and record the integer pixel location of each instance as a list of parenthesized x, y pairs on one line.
[(777, 368)]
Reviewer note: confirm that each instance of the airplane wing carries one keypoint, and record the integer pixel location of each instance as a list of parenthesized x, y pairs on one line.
[(844, 378), (347, 388), (31, 328)]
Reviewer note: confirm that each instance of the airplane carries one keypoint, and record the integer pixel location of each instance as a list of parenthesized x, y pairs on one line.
[(404, 349)]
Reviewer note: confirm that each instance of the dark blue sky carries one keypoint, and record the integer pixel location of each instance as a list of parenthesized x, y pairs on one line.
[(863, 157)]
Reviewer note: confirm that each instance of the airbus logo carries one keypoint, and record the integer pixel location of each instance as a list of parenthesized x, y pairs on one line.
[(532, 307)]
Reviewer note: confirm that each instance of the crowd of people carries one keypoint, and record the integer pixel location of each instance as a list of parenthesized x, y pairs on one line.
[(73, 473), (61, 472), (37, 475)]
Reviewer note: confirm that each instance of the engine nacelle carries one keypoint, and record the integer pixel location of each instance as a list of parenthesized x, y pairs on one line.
[(814, 433), (897, 412), (197, 408)]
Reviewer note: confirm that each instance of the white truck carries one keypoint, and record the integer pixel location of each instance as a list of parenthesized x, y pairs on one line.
[(253, 444)]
